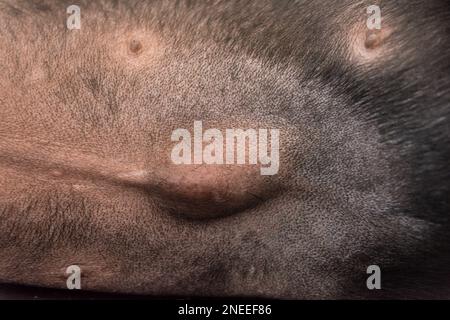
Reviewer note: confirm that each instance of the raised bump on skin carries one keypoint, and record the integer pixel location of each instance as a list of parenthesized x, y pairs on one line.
[(57, 173), (369, 45), (137, 49)]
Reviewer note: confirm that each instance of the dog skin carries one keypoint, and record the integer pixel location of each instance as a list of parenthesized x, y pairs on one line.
[(86, 118)]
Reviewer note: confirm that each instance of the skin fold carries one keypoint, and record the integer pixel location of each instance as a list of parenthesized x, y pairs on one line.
[(86, 176)]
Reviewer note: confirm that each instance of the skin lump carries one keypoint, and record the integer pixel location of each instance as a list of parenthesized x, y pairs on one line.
[(367, 46)]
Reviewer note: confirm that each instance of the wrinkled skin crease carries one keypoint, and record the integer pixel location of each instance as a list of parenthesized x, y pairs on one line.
[(85, 123)]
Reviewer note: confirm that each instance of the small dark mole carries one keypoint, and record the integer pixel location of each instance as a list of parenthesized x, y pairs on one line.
[(135, 46)]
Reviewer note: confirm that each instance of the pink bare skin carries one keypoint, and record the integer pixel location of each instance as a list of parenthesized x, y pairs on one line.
[(87, 179)]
